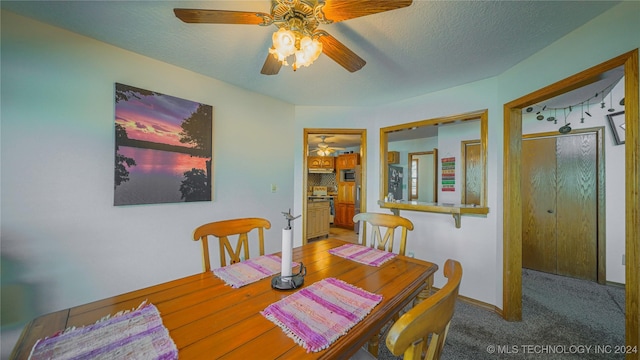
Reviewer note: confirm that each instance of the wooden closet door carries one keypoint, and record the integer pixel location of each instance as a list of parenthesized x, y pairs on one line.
[(539, 204), (577, 220)]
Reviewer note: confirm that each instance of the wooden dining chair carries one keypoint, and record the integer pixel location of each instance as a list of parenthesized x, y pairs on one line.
[(223, 230), (377, 221), (409, 335)]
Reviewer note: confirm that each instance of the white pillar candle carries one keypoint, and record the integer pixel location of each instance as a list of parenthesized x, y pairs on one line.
[(287, 249)]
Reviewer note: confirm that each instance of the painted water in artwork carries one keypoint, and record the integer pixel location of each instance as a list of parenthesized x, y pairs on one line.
[(163, 148)]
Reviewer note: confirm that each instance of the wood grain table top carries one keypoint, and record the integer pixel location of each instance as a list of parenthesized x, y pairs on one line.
[(208, 319)]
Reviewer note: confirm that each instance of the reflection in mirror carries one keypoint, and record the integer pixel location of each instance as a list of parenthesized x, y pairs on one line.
[(423, 176), (443, 161), (471, 172)]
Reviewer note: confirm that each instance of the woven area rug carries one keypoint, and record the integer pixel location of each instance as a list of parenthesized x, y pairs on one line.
[(251, 270), (136, 334), (363, 254), (318, 315)]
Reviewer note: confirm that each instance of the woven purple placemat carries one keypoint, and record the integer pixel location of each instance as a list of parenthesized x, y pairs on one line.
[(319, 314), (251, 270), (362, 254), (136, 334)]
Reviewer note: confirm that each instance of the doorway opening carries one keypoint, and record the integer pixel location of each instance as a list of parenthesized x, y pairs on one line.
[(512, 218), (334, 182)]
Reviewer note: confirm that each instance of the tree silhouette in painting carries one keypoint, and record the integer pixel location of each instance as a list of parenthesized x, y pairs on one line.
[(196, 131), (194, 186), (121, 172), (126, 92)]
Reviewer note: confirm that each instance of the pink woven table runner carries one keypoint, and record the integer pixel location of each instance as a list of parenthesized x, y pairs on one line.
[(136, 334), (319, 314), (251, 270), (363, 254)]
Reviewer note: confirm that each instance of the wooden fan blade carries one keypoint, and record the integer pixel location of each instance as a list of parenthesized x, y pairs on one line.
[(271, 65), (340, 10), (220, 16), (339, 52)]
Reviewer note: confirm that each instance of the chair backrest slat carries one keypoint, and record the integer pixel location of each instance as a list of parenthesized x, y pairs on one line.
[(223, 230), (377, 221)]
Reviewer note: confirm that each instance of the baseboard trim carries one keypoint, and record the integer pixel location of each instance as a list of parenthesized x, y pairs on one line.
[(497, 310), (616, 284), (477, 303)]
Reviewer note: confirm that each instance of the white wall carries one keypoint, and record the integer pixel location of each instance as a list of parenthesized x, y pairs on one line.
[(478, 244), (57, 151), (435, 237)]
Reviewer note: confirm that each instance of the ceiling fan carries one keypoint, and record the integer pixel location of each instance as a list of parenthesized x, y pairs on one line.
[(324, 148), (298, 36)]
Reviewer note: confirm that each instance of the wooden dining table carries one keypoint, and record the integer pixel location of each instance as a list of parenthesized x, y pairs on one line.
[(208, 319)]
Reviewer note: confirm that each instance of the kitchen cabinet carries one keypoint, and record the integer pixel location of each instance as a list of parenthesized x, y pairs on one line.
[(345, 202), (345, 209), (321, 162), (318, 219), (344, 215), (347, 161), (346, 192), (393, 157)]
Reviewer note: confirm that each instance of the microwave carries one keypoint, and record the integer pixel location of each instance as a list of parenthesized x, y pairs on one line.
[(348, 175)]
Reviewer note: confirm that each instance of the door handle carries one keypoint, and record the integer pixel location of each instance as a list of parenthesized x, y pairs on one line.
[(550, 211)]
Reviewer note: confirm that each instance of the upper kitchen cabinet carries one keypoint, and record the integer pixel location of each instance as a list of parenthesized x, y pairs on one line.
[(321, 162), (347, 161), (393, 157)]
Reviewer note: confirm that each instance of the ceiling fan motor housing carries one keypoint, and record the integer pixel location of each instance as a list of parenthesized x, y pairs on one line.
[(302, 16)]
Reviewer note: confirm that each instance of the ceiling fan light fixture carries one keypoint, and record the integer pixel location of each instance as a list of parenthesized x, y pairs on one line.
[(284, 44), (289, 42), (309, 51)]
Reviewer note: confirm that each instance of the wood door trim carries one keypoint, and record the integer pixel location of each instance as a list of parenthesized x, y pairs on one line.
[(512, 214), (305, 169), (600, 195)]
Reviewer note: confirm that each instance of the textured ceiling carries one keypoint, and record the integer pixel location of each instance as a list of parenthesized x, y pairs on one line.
[(428, 46)]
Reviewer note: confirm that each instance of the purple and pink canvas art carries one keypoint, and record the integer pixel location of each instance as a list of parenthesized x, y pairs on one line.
[(163, 148)]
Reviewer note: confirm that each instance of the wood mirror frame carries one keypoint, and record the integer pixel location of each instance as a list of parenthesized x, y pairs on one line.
[(456, 209)]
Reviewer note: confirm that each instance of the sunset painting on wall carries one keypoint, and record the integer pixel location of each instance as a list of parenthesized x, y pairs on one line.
[(163, 148)]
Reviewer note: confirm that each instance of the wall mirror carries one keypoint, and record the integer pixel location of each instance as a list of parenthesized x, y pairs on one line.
[(436, 165)]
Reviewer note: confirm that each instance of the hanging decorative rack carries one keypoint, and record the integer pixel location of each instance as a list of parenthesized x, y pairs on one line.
[(551, 112)]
